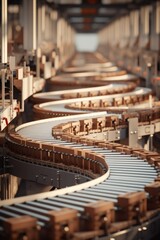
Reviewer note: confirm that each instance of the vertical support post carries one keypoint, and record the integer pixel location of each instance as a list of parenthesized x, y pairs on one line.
[(58, 180), (30, 33), (4, 48), (133, 132), (155, 66), (59, 43), (151, 142), (150, 101), (149, 75), (38, 62), (48, 24), (54, 16), (3, 88), (12, 67), (4, 31), (11, 90), (41, 22)]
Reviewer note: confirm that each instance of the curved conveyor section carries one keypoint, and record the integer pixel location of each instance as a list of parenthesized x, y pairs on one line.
[(80, 105), (82, 92), (120, 198), (126, 173)]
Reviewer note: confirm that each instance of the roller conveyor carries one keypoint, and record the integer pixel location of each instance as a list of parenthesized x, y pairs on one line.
[(94, 91), (98, 196), (59, 204), (104, 187), (99, 192), (102, 190), (95, 193), (41, 205), (133, 186), (114, 164), (70, 197), (119, 78), (95, 147), (117, 181), (82, 194), (73, 106), (130, 170), (44, 203), (94, 78), (132, 176), (125, 177), (122, 174), (68, 201), (18, 209), (115, 158), (8, 214), (30, 208), (2, 219)]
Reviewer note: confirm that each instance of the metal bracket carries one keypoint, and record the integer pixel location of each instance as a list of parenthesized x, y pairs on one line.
[(157, 127), (113, 135), (146, 130)]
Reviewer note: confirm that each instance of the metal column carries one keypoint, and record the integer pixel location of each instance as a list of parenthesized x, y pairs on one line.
[(4, 48), (30, 31)]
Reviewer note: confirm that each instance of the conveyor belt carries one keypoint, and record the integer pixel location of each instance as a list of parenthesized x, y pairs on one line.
[(125, 177), (127, 173), (116, 174), (100, 67), (82, 92), (88, 79), (80, 105), (128, 179)]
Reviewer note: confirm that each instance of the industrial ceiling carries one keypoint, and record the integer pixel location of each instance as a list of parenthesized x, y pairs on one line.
[(91, 15)]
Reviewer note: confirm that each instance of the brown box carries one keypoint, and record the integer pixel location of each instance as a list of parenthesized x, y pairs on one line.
[(132, 205), (63, 224), (27, 225), (101, 214), (154, 195)]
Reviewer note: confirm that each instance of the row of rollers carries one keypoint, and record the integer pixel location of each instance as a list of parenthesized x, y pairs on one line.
[(127, 174)]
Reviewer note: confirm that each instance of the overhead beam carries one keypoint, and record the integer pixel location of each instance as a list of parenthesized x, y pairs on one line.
[(63, 7), (90, 16), (134, 4), (90, 23), (86, 31)]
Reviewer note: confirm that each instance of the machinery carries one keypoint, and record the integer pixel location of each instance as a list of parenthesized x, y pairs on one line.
[(79, 140)]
